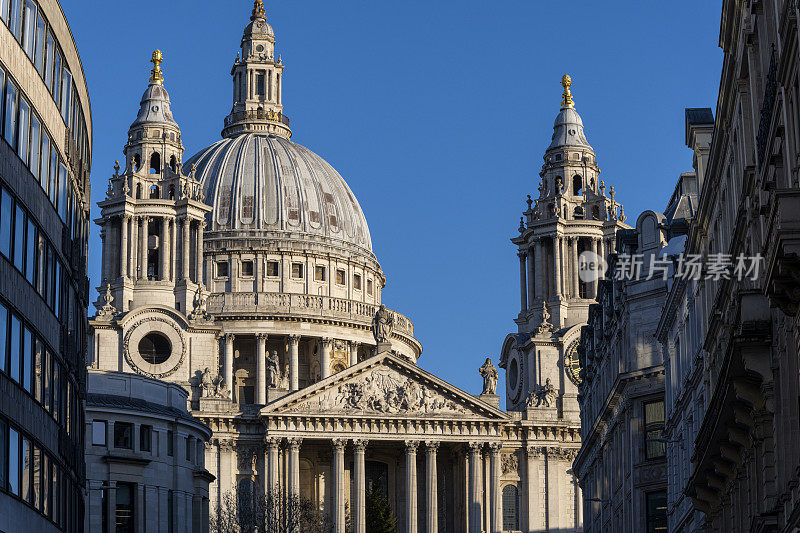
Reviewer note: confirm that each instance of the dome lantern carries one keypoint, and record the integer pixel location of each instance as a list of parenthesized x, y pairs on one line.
[(257, 82)]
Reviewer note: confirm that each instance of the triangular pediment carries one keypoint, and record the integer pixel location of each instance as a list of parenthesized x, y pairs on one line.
[(384, 386)]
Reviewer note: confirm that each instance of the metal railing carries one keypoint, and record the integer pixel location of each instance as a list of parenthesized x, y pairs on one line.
[(259, 114)]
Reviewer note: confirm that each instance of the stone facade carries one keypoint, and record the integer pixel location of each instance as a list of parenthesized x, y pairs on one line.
[(145, 456), (45, 160)]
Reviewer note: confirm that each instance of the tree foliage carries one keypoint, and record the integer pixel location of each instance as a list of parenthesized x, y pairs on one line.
[(379, 515), (274, 512)]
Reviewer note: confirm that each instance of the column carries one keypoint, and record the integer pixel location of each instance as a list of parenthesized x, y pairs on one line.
[(185, 259), (523, 282), (497, 509), (475, 465), (104, 270), (198, 261), (143, 234), (576, 292), (273, 445), (532, 496), (325, 359), (294, 362), (338, 486), (294, 466), (411, 486), (139, 524), (164, 249), (431, 489), (534, 285), (135, 248), (354, 352), (359, 498), (541, 288), (603, 253), (261, 370), (593, 284), (173, 249), (123, 246), (228, 373)]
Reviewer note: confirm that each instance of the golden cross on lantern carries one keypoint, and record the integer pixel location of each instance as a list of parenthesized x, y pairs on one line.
[(156, 76), (566, 97)]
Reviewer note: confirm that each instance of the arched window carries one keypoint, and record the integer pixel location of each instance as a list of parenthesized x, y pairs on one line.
[(596, 213), (155, 163), (577, 186), (173, 164), (138, 191), (172, 192), (578, 214), (154, 192), (137, 162), (510, 508)]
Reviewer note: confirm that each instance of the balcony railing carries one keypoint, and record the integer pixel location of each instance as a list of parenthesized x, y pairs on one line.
[(230, 303), (260, 114)]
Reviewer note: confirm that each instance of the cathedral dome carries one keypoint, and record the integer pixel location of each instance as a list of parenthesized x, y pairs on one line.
[(257, 182)]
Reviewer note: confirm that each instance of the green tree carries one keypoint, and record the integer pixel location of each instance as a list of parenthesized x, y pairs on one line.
[(380, 518)]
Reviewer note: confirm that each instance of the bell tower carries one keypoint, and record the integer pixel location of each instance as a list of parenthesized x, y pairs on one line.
[(153, 216), (564, 235), (257, 82)]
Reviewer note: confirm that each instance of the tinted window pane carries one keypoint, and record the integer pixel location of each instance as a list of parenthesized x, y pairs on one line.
[(3, 446), (46, 382), (11, 114), (45, 484), (44, 172), (123, 435), (99, 433), (36, 473), (57, 289), (66, 96), (29, 37), (4, 4), (19, 237), (48, 61), (3, 339), (25, 482), (39, 52), (38, 370), (23, 142), (6, 210), (15, 20), (62, 192), (56, 391), (13, 462), (16, 339), (27, 354), (55, 88), (34, 146), (53, 180), (30, 253)]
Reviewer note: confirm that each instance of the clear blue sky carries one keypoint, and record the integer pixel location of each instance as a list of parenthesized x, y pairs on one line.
[(436, 113)]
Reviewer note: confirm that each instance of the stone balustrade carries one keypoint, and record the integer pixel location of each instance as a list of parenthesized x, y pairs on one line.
[(301, 305)]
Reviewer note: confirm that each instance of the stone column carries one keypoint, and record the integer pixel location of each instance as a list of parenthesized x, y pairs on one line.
[(354, 352), (104, 254), (325, 359), (294, 362), (273, 446), (111, 507), (541, 288), (411, 486), (602, 252), (359, 498), (532, 484), (123, 246), (134, 249), (228, 373), (261, 370), (534, 284), (523, 282), (475, 466), (576, 291), (198, 261), (173, 249), (185, 259), (593, 284), (294, 466), (431, 488), (338, 486), (144, 233), (497, 508), (163, 251), (556, 265)]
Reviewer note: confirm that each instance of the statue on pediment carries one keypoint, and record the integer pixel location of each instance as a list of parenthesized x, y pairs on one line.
[(489, 374), (382, 325)]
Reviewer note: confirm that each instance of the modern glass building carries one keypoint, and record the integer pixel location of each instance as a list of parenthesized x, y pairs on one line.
[(45, 158)]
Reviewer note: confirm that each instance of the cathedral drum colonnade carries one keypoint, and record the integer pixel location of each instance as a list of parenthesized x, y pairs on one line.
[(246, 275)]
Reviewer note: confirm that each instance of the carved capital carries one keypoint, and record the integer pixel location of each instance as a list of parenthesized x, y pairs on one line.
[(494, 447), (262, 337), (523, 255), (431, 446), (294, 443), (294, 339), (273, 443), (327, 343), (230, 337), (339, 444), (475, 447), (359, 445), (411, 446), (533, 451)]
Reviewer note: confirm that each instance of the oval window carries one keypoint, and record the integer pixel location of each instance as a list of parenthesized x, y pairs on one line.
[(155, 348), (513, 373)]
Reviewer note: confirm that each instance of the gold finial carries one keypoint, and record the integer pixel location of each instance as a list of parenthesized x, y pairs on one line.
[(566, 97), (156, 76), (258, 10)]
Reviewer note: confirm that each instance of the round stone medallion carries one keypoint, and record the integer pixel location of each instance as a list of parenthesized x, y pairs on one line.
[(154, 346)]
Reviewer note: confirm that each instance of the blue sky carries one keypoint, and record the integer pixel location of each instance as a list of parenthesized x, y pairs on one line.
[(436, 113)]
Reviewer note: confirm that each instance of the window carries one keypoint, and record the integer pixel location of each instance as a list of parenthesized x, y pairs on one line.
[(3, 338), (297, 270), (510, 508), (15, 349), (369, 287), (222, 269), (123, 435), (656, 509), (272, 269), (357, 282), (170, 443), (99, 428), (38, 58), (124, 511), (340, 277), (25, 471), (35, 142), (23, 143), (319, 273), (30, 28), (653, 430), (13, 461), (155, 348), (27, 365), (11, 115), (188, 443), (146, 438), (15, 20), (6, 210), (30, 253), (19, 237), (155, 163), (3, 433), (260, 85), (66, 97), (247, 268)]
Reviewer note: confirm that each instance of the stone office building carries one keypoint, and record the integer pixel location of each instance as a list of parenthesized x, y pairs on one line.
[(251, 282), (45, 157)]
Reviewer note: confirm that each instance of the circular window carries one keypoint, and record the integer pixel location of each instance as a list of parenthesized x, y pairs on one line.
[(513, 373), (155, 348), (260, 48)]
